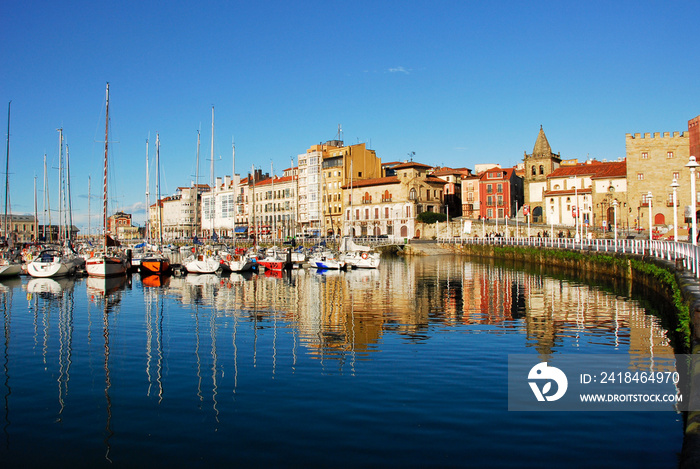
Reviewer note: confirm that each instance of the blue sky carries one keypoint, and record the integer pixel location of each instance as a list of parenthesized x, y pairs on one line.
[(457, 82)]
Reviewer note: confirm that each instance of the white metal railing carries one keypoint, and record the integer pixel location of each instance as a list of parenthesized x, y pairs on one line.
[(686, 253)]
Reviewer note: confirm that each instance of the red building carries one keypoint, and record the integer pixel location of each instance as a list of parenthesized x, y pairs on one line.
[(694, 136), (117, 220), (500, 193)]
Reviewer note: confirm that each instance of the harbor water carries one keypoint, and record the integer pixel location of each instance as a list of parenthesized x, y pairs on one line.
[(404, 366)]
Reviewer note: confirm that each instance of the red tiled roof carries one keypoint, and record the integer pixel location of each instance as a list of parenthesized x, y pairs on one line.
[(412, 164), (373, 182), (587, 190), (595, 170)]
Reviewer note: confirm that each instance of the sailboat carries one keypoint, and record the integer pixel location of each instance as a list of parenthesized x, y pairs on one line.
[(106, 263), (9, 266), (62, 260), (207, 262), (156, 263), (238, 260)]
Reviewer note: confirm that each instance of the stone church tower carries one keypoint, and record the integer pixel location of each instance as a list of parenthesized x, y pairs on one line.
[(538, 166)]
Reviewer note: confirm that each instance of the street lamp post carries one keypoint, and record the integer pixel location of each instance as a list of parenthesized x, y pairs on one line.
[(692, 164), (576, 237), (674, 186), (615, 221), (551, 232), (649, 196)]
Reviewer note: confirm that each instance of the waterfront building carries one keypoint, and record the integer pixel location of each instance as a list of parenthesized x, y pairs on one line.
[(471, 204), (500, 191), (389, 205), (653, 162), (20, 227), (453, 188), (219, 207), (180, 215), (323, 170), (274, 206), (591, 187), (694, 136), (127, 233), (116, 221), (538, 165)]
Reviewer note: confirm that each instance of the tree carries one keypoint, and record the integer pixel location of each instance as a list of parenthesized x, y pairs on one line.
[(431, 217)]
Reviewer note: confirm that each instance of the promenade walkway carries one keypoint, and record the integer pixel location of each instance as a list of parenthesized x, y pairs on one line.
[(685, 253)]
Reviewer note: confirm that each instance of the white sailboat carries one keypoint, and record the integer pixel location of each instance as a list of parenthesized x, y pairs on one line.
[(57, 261), (106, 263), (207, 262), (9, 267), (358, 256)]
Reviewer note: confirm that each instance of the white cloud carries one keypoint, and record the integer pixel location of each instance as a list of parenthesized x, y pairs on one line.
[(399, 70)]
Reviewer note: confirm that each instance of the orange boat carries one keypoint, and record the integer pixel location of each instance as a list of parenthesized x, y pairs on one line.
[(155, 264)]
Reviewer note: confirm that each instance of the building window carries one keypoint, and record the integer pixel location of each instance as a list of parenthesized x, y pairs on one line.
[(500, 188), (534, 170), (541, 169), (669, 154), (489, 213), (676, 176), (640, 176), (489, 200), (645, 155), (489, 189)]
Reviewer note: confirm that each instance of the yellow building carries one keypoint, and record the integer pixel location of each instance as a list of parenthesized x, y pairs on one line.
[(388, 206), (653, 162), (323, 171)]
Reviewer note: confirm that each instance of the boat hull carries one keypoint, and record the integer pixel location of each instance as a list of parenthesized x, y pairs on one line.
[(10, 270), (202, 266), (154, 266), (105, 266), (47, 269)]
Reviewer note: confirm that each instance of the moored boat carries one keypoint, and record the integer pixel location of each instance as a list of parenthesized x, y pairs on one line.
[(154, 264), (326, 259), (51, 262)]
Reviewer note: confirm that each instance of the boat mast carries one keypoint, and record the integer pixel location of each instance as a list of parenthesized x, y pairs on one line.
[(60, 184), (160, 218), (89, 197), (296, 199), (7, 174), (352, 216), (104, 180), (148, 202), (70, 205), (36, 213), (47, 202), (274, 217), (196, 189), (211, 171), (252, 201), (212, 201), (235, 187)]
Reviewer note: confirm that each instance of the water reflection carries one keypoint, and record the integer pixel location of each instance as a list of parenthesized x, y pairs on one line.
[(334, 314), (249, 360)]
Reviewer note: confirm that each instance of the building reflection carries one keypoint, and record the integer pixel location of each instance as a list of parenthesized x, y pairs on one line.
[(333, 314)]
